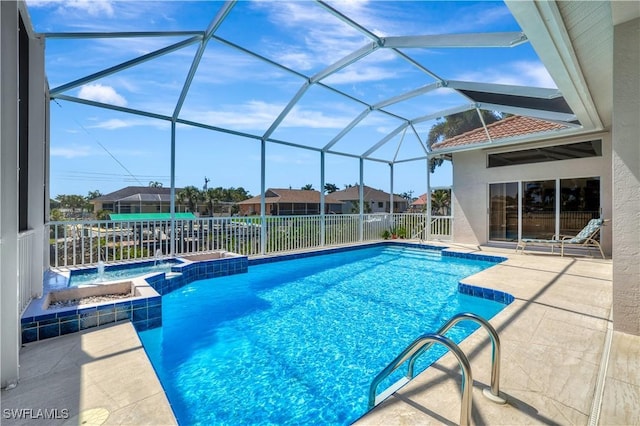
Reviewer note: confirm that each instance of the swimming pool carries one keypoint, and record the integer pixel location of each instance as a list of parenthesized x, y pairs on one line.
[(118, 272), (299, 341)]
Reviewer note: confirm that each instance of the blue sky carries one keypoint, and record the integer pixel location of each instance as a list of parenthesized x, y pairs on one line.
[(98, 149)]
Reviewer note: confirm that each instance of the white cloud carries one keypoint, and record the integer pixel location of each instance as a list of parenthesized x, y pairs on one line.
[(71, 152), (100, 93), (315, 119), (521, 73), (259, 115), (288, 159), (321, 38), (535, 73), (90, 7), (360, 74), (117, 123)]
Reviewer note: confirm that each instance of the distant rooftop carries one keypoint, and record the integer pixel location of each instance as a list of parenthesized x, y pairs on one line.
[(284, 195), (370, 194), (137, 193)]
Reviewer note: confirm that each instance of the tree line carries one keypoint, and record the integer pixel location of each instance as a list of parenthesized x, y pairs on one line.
[(192, 197)]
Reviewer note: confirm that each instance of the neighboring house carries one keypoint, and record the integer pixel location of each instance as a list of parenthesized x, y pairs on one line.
[(440, 203), (378, 201), (419, 205), (282, 202), (136, 199), (503, 192)]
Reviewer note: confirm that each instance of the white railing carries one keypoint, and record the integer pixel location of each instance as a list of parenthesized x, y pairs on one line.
[(26, 245), (441, 227), (415, 227), (78, 243)]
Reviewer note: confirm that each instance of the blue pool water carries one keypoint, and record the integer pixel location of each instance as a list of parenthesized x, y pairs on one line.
[(299, 341), (119, 272)]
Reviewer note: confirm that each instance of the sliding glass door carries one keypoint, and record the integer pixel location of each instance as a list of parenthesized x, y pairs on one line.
[(579, 203), (503, 211), (543, 208), (539, 209)]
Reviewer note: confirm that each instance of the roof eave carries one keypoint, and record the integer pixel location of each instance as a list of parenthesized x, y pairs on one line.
[(546, 31), (514, 140)]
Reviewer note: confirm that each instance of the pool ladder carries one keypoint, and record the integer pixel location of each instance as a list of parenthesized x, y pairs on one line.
[(422, 344)]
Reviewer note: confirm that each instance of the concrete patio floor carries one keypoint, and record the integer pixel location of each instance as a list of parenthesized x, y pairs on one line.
[(100, 376), (555, 364)]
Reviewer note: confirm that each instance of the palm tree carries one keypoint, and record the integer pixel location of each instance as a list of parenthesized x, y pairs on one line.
[(72, 202), (94, 194), (307, 187), (190, 195), (330, 187), (457, 124), (238, 194), (440, 202), (155, 184), (213, 196)]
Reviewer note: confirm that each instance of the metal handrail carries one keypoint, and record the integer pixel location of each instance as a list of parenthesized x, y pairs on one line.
[(426, 341), (417, 345), (495, 351)]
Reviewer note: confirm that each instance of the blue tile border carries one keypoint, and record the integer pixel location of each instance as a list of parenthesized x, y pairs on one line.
[(144, 312), (473, 256), (74, 319), (323, 251), (485, 293)]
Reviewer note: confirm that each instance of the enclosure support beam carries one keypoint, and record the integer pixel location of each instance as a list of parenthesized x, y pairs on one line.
[(361, 198), (391, 188), (172, 208), (263, 214), (322, 209), (427, 202)]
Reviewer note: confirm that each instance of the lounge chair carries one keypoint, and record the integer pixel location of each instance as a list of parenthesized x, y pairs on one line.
[(584, 238)]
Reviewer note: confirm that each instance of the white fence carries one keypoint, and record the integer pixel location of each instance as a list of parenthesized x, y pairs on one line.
[(26, 246), (78, 243)]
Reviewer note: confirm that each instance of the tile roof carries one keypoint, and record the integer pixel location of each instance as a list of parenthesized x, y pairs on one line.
[(281, 195), (137, 193), (420, 201), (370, 194), (510, 127)]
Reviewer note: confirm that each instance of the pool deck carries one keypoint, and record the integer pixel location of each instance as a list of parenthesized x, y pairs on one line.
[(555, 365)]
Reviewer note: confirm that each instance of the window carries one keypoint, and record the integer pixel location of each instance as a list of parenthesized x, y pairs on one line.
[(547, 153), (380, 204)]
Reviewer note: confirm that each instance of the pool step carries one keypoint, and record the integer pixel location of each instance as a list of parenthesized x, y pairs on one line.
[(417, 253)]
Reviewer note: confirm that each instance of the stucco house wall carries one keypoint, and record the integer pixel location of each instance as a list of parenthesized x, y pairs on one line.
[(471, 179), (626, 166), (23, 124)]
